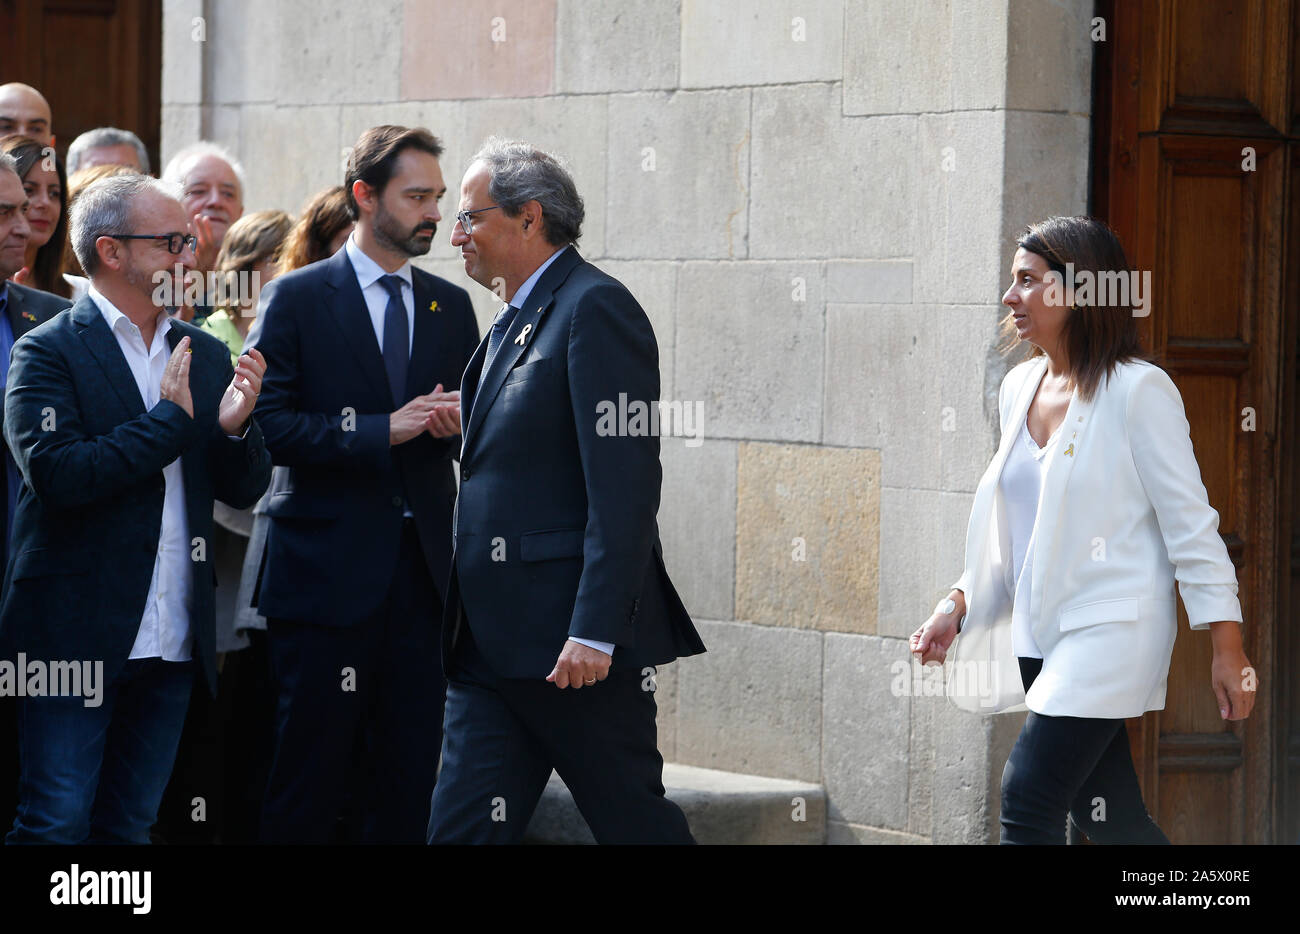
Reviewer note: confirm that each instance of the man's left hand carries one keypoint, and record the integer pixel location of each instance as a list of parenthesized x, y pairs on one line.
[(241, 395), (579, 665)]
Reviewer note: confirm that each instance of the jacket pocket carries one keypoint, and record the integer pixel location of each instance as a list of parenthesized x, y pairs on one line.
[(551, 544), (527, 371), (49, 562), (1122, 610)]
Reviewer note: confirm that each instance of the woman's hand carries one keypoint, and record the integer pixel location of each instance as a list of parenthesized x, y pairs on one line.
[(931, 642), (1231, 675)]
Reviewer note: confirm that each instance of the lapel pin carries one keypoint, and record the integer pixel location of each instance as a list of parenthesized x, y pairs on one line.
[(1069, 452), (28, 316), (433, 306), (539, 309), (523, 334)]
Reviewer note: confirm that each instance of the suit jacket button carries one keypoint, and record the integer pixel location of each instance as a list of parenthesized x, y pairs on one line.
[(397, 501), (464, 475)]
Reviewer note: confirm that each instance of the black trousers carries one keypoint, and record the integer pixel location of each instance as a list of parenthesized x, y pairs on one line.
[(359, 717), (1078, 766), (503, 736)]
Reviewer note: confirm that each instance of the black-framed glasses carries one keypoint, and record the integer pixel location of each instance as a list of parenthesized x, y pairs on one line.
[(175, 241), (466, 219)]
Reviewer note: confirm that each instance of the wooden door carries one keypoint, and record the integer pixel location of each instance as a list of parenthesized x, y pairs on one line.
[(1196, 165), (98, 63)]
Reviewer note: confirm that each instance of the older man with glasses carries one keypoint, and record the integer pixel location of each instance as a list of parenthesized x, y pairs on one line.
[(126, 425)]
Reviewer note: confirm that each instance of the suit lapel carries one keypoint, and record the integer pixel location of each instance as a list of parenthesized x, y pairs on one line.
[(523, 330), (101, 343), (986, 494), (18, 324), (347, 306), (428, 341), (469, 386), (1051, 502)]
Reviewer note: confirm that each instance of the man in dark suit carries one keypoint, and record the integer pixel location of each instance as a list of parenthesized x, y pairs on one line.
[(559, 603), (126, 425), (361, 404), (21, 309)]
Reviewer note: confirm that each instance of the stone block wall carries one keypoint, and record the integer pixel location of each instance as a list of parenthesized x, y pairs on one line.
[(816, 202)]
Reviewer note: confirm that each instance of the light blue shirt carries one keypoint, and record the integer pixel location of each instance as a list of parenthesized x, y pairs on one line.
[(521, 294)]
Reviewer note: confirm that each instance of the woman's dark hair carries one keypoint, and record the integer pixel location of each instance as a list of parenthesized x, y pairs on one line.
[(324, 218), (375, 154), (1099, 332), (47, 270)]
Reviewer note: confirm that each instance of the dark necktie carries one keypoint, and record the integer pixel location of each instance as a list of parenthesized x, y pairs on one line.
[(499, 327), (397, 349)]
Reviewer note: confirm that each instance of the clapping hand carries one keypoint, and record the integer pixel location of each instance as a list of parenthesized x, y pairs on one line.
[(241, 395)]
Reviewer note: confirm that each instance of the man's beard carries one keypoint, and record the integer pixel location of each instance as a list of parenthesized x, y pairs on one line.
[(390, 235)]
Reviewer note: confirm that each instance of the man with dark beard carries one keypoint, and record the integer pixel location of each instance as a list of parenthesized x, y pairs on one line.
[(367, 353)]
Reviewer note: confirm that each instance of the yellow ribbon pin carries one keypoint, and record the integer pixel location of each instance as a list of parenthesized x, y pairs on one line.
[(433, 306)]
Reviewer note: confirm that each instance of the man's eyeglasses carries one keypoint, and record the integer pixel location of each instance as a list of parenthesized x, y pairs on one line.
[(466, 219), (176, 242)]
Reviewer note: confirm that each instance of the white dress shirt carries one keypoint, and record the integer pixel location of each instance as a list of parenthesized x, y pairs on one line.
[(517, 300), (368, 275), (1022, 484), (165, 627)]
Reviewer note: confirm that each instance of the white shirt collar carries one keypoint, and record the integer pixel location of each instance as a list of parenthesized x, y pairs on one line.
[(521, 295), (112, 315), (368, 271)]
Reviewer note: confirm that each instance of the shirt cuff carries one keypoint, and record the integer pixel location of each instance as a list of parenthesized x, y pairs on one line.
[(606, 647)]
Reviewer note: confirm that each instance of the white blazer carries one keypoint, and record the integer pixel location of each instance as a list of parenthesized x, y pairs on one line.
[(1121, 515)]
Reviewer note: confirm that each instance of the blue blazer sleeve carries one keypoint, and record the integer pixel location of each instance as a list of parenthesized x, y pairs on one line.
[(296, 438), (612, 353), (61, 462)]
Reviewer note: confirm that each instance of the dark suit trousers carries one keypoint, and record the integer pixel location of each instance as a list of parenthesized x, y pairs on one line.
[(359, 716), (502, 737)]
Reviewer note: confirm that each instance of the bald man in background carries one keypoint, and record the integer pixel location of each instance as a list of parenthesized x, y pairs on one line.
[(24, 110)]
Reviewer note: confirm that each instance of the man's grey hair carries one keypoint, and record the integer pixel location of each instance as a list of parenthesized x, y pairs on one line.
[(9, 163), (104, 209), (521, 173), (106, 136), (180, 163)]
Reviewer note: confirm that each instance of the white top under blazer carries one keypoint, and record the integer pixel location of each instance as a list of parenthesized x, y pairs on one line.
[(1122, 515), (1021, 487)]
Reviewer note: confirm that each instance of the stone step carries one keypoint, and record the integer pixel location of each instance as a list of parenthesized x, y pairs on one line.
[(721, 807)]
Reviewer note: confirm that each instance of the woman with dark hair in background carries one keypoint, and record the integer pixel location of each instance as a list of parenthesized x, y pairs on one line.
[(320, 232), (43, 182), (1091, 509)]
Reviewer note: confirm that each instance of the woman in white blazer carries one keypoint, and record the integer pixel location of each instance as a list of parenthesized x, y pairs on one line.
[(1090, 510)]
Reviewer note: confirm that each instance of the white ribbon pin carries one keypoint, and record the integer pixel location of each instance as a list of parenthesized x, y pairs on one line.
[(523, 334)]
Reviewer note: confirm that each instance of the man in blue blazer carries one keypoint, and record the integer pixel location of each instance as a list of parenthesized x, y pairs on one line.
[(365, 355), (126, 425), (559, 603), (21, 309)]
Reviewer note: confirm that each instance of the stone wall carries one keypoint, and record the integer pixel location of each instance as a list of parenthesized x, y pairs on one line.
[(816, 202)]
